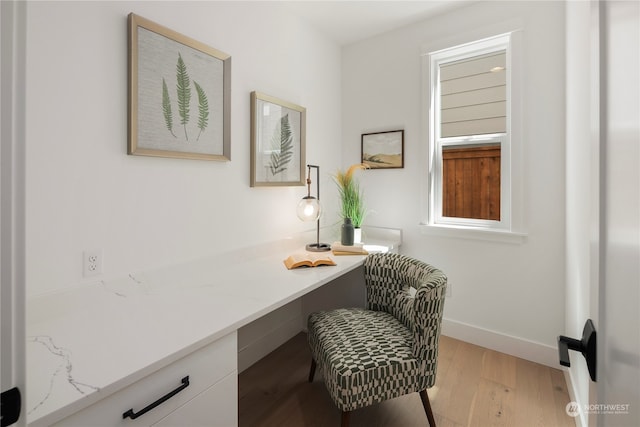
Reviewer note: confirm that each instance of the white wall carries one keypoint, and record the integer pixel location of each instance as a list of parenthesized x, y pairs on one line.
[(84, 192), (511, 295), (582, 186)]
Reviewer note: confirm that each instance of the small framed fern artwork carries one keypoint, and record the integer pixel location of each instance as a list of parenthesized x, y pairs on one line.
[(277, 142), (179, 95)]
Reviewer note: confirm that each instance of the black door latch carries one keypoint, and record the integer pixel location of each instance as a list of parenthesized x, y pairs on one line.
[(10, 405), (587, 346)]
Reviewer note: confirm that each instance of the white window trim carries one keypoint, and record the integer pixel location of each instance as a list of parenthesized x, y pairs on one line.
[(511, 227)]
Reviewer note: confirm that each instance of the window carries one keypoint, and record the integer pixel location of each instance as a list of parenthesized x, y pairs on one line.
[(470, 135)]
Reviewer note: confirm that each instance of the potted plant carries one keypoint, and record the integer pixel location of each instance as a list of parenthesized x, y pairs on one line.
[(352, 204)]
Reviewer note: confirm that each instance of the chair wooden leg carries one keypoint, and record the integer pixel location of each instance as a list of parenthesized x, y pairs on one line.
[(312, 371), (345, 419), (427, 407)]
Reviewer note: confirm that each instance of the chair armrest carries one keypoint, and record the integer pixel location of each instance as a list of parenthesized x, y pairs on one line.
[(428, 308)]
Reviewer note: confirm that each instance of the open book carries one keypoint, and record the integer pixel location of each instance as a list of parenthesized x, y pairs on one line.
[(306, 259)]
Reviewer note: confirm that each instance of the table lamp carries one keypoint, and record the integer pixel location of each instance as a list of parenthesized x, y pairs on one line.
[(309, 209)]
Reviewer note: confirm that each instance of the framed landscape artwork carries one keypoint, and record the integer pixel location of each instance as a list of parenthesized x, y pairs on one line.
[(277, 142), (179, 95), (383, 150)]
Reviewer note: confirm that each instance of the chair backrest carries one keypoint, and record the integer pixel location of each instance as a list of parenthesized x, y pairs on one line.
[(414, 292)]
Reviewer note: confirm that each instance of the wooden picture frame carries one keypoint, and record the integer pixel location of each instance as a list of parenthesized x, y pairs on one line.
[(179, 95), (278, 142), (383, 150)]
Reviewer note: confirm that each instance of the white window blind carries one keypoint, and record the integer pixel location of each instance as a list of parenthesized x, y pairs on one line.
[(473, 96)]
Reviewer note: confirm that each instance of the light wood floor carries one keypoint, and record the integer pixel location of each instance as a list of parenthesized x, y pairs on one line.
[(474, 387)]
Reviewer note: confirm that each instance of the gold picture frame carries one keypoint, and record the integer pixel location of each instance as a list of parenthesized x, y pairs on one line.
[(278, 142), (179, 95)]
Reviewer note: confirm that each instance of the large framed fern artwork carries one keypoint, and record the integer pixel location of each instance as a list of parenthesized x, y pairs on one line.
[(179, 95), (277, 142)]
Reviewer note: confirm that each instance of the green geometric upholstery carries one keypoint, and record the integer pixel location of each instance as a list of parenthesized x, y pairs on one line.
[(388, 349)]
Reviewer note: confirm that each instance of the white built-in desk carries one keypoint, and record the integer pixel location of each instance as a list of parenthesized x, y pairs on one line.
[(96, 351)]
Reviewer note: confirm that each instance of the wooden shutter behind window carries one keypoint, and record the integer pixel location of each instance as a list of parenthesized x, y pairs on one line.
[(471, 182)]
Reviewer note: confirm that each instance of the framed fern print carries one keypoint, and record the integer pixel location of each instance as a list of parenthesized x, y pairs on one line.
[(277, 141), (179, 95)]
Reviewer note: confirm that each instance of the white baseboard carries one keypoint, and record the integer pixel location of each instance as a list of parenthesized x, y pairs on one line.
[(514, 346)]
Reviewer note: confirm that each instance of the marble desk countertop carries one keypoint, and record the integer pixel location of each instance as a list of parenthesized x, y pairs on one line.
[(89, 342)]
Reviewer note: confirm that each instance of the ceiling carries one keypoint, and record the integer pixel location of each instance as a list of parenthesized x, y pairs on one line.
[(350, 21)]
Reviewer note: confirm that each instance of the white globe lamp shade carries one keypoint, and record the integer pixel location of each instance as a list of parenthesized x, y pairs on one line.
[(309, 209)]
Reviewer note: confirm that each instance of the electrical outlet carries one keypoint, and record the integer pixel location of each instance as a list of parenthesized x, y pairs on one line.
[(448, 292), (92, 263)]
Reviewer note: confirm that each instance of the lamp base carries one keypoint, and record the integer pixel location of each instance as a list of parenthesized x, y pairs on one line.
[(318, 247)]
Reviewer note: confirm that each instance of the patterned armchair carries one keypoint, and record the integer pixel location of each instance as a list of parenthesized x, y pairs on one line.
[(388, 349)]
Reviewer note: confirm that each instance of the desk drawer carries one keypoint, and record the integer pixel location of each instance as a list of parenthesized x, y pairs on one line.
[(215, 407), (204, 367)]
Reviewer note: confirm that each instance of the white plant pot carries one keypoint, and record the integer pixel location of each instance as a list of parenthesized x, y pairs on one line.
[(357, 235)]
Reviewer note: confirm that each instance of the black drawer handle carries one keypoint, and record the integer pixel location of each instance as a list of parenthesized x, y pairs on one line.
[(133, 415)]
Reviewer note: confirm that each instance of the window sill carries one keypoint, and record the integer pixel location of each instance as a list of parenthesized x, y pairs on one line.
[(462, 232)]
